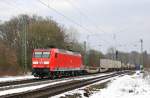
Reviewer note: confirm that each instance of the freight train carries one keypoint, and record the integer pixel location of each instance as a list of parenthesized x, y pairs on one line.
[(55, 62), (114, 65)]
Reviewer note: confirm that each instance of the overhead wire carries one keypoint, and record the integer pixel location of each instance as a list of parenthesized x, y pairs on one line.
[(13, 5), (9, 5), (86, 16), (66, 17), (81, 12)]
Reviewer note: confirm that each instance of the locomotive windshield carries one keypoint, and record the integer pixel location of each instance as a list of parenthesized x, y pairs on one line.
[(46, 54), (37, 54), (41, 54)]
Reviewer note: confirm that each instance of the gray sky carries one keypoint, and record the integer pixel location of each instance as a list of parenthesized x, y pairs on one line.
[(119, 23)]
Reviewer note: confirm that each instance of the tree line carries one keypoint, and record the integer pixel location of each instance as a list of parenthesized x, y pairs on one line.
[(133, 57), (40, 33)]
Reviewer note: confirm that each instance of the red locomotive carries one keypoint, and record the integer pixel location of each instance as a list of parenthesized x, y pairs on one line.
[(56, 63)]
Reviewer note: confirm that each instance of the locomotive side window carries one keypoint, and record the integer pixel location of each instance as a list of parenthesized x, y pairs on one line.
[(56, 54), (46, 54), (37, 54)]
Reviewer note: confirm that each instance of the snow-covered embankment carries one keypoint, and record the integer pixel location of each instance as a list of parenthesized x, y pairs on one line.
[(134, 86)]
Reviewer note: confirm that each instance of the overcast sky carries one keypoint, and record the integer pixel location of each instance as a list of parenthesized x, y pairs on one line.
[(106, 23)]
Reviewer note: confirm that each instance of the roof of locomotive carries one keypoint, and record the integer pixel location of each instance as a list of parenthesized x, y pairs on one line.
[(40, 49), (68, 52), (60, 51)]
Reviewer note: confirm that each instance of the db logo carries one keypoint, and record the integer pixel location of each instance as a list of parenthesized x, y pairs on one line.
[(40, 62)]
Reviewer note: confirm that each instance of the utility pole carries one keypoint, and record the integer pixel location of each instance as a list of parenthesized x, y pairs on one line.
[(84, 52), (25, 48), (114, 55), (114, 38), (100, 57), (24, 44), (87, 42), (141, 41), (85, 46)]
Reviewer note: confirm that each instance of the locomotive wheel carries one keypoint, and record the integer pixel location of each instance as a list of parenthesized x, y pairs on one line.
[(59, 75)]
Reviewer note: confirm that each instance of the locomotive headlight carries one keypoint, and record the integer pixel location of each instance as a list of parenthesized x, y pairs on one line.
[(46, 62), (34, 62)]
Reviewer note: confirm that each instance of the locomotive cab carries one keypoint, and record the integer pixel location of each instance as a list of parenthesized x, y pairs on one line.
[(40, 62)]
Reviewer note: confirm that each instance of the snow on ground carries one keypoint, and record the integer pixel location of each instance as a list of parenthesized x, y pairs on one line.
[(14, 78), (25, 77), (79, 91), (23, 89), (93, 76), (134, 86)]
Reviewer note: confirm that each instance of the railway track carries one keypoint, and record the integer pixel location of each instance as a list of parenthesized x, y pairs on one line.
[(21, 83), (57, 88), (34, 82), (15, 82)]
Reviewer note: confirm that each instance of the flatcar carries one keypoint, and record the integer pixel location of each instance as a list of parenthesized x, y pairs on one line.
[(56, 63)]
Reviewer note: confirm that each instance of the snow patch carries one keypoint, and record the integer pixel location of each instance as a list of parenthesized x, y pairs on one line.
[(134, 86), (14, 78), (30, 88), (80, 90), (24, 89)]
